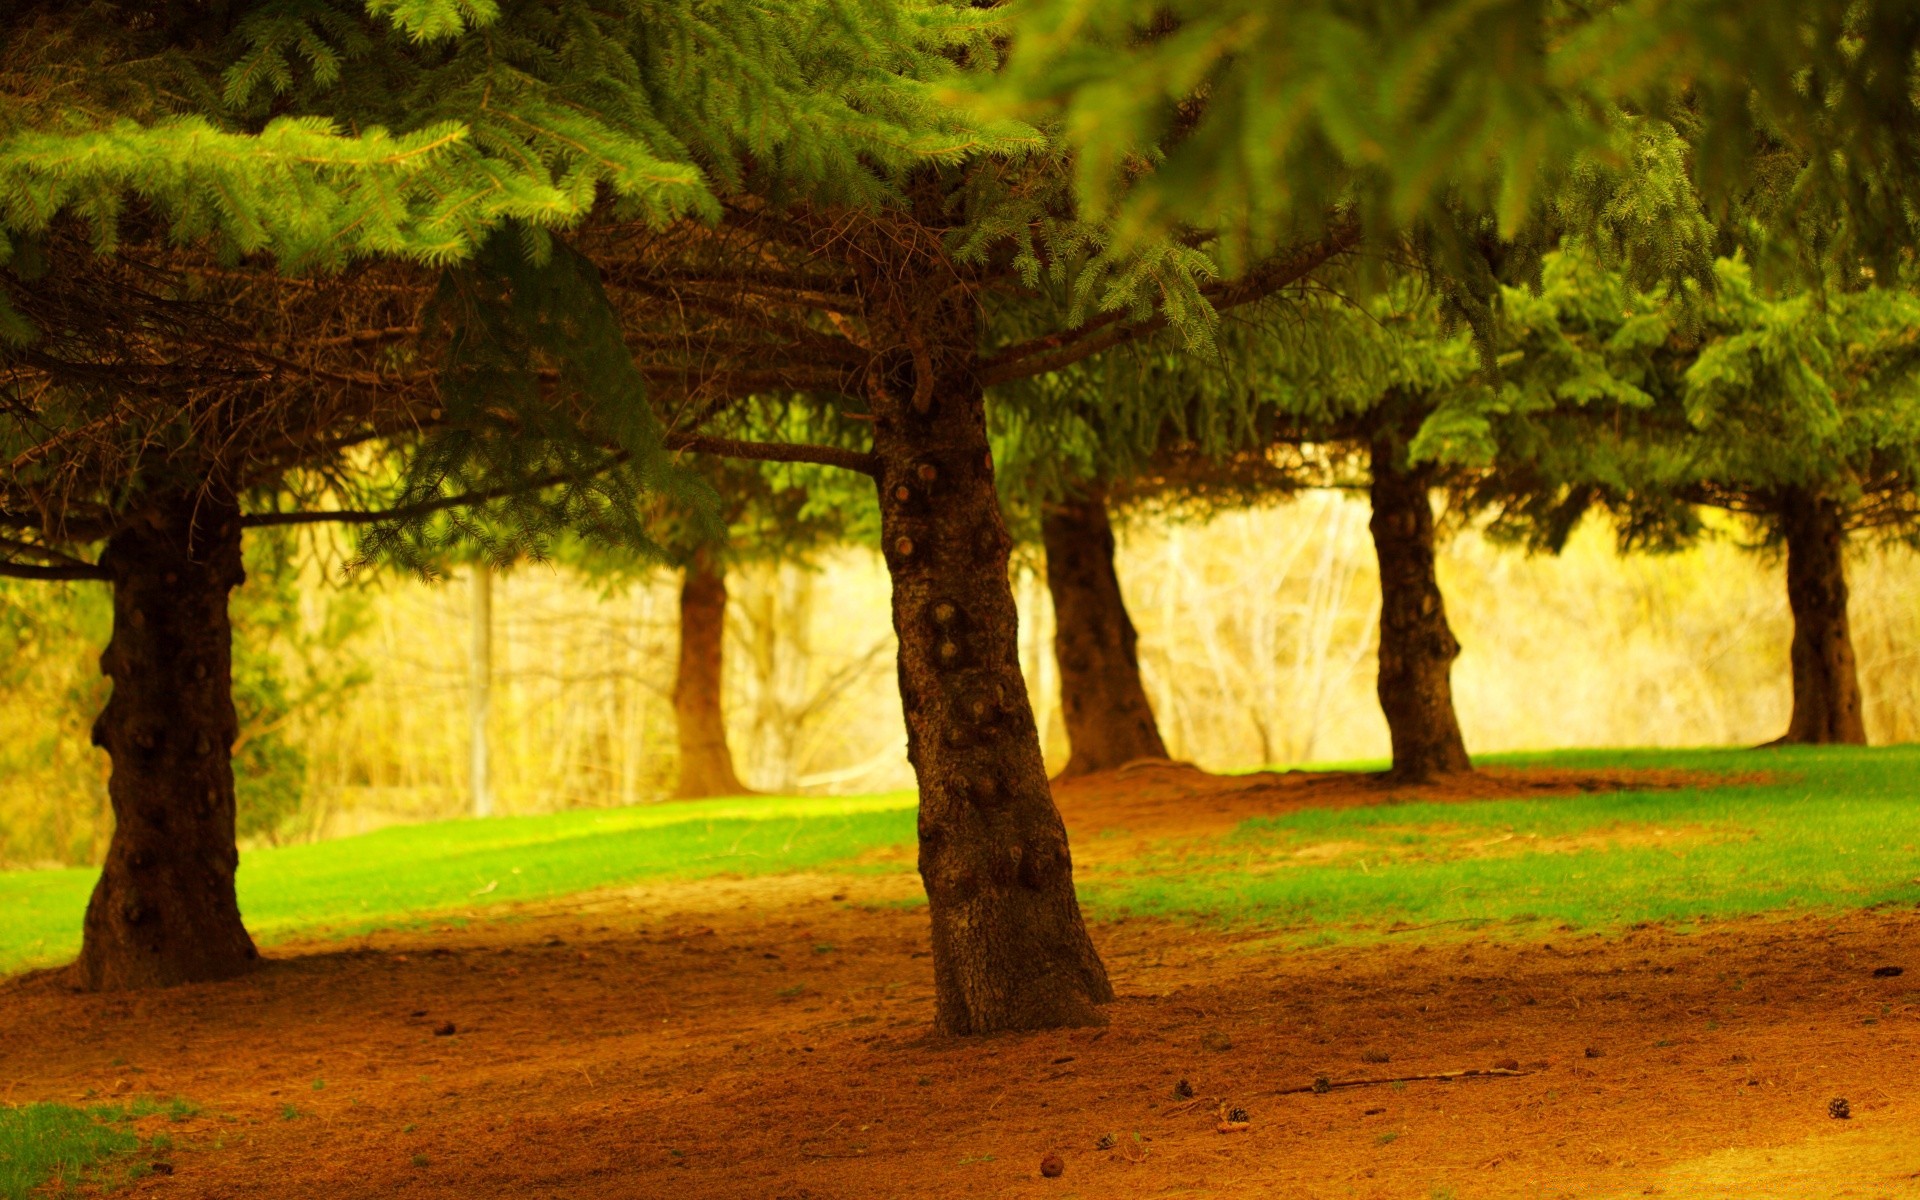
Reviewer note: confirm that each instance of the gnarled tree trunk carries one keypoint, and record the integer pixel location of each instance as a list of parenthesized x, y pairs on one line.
[(164, 911), (1826, 681), (1417, 647), (1010, 950), (706, 764), (1109, 721)]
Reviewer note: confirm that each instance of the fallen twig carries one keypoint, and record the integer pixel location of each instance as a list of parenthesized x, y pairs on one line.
[(1323, 1084)]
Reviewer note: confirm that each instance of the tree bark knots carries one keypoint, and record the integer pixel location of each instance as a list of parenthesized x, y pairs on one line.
[(1826, 681), (1417, 646), (706, 763), (164, 910), (1109, 720), (1010, 950)]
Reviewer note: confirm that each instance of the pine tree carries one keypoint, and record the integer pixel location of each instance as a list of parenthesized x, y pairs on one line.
[(1387, 403), (768, 511), (1799, 413), (166, 171), (1125, 434), (888, 309), (1109, 719)]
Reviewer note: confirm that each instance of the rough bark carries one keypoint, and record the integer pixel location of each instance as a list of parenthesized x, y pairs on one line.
[(1826, 681), (1417, 646), (706, 763), (164, 910), (1109, 721), (1010, 950)]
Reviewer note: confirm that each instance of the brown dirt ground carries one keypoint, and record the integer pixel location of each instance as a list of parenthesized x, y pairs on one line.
[(768, 1039)]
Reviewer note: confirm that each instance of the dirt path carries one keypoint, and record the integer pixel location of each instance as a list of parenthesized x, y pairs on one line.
[(766, 1039)]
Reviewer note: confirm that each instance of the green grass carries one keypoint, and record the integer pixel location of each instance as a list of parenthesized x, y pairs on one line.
[(1832, 829), (47, 1141), (411, 873)]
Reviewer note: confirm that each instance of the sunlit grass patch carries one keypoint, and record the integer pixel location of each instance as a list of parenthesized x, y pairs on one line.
[(1829, 829), (419, 874), (1808, 830), (41, 1143)]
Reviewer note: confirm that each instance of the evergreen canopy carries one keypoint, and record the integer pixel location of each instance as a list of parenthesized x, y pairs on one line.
[(1255, 117)]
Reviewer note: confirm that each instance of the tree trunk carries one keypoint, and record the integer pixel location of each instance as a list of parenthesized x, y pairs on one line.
[(1109, 721), (1010, 950), (164, 911), (1417, 647), (706, 764), (1826, 683)]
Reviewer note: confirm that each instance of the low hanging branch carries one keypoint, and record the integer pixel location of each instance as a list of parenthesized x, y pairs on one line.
[(77, 571), (56, 567), (829, 456), (423, 508), (826, 456)]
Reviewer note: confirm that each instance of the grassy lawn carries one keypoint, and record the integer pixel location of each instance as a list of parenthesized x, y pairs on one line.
[(1832, 829), (408, 873)]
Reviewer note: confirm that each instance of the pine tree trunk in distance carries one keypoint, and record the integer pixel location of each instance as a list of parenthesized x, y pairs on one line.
[(164, 910), (1109, 721), (706, 764), (1010, 950), (1826, 681), (1417, 646)]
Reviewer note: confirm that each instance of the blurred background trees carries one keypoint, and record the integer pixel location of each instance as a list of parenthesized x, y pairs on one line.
[(1256, 625)]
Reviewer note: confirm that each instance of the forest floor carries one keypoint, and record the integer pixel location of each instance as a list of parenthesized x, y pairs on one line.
[(767, 1037)]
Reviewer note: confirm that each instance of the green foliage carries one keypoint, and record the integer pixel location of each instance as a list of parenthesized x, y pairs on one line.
[(427, 20), (547, 422), (323, 130), (479, 131), (1652, 402), (1265, 119)]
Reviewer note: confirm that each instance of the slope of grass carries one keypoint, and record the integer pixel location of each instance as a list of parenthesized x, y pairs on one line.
[(1829, 829), (409, 872)]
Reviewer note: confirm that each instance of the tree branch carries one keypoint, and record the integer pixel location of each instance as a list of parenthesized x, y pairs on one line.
[(1056, 350), (346, 516), (13, 570), (826, 456)]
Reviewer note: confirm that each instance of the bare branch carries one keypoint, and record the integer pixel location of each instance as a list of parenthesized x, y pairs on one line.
[(347, 516), (826, 456), (87, 571)]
